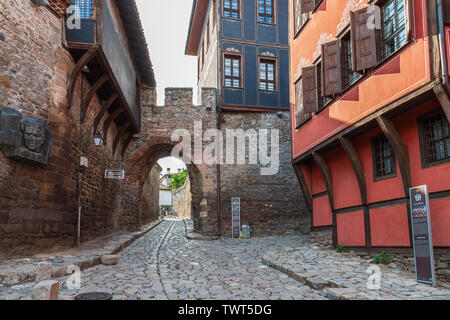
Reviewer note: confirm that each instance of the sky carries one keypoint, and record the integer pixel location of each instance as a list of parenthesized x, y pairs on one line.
[(166, 23)]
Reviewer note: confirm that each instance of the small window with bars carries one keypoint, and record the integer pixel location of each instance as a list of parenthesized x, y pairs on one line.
[(85, 8), (394, 27), (231, 9), (349, 76), (267, 74), (232, 71), (384, 165), (266, 11), (435, 138)]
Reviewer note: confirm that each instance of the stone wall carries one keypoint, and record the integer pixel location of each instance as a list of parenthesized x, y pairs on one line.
[(150, 193), (38, 203), (182, 198), (270, 204)]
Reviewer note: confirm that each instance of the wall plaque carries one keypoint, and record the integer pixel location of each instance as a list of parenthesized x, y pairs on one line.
[(25, 139)]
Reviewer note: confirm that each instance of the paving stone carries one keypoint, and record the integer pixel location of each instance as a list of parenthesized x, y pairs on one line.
[(46, 290)]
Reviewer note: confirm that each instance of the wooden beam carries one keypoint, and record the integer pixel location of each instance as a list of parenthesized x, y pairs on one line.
[(109, 121), (97, 85), (119, 134), (326, 173), (361, 178), (303, 185), (105, 108), (357, 167), (401, 152), (85, 59), (444, 100), (126, 144)]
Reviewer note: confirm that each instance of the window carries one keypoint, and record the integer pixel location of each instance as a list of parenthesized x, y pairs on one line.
[(384, 165), (349, 76), (231, 9), (267, 74), (435, 138), (86, 8), (266, 11), (394, 26), (232, 71), (299, 17)]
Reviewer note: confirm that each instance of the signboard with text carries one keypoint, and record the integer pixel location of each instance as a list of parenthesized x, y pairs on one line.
[(236, 217), (422, 238), (115, 174)]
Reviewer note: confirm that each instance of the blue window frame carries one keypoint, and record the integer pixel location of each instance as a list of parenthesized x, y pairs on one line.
[(231, 9)]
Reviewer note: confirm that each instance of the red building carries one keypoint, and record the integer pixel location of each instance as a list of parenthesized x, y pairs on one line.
[(370, 116)]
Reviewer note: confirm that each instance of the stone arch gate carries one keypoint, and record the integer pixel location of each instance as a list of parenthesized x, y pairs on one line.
[(154, 142)]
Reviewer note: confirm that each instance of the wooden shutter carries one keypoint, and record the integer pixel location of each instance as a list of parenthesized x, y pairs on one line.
[(309, 89), (331, 68), (365, 42), (308, 5)]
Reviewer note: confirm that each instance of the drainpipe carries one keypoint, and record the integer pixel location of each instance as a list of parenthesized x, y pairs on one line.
[(442, 48), (219, 108)]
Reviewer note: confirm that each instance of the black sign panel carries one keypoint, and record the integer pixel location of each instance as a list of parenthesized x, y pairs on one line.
[(421, 229), (236, 217)]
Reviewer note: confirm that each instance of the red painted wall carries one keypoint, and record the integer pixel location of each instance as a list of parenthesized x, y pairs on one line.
[(440, 222), (389, 227), (350, 228), (322, 212), (345, 185)]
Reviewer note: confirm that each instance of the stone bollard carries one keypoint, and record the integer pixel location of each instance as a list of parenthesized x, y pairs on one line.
[(46, 290), (44, 272), (110, 260)]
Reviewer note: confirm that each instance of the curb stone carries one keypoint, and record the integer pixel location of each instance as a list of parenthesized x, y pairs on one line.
[(29, 273)]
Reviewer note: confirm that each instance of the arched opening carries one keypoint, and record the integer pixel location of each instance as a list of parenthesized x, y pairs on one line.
[(151, 173)]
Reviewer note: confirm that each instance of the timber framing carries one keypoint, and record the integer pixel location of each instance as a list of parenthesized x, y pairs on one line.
[(444, 100), (119, 134), (110, 120), (328, 178), (361, 178), (97, 85), (84, 60), (400, 150), (304, 186), (105, 107)]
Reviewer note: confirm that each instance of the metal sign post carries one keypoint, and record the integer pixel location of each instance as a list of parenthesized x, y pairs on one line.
[(236, 217), (422, 238)]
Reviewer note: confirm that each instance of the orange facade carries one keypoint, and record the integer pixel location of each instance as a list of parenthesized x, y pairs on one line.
[(341, 179)]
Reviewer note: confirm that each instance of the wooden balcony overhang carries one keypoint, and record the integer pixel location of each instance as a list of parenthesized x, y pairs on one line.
[(370, 122), (91, 61), (111, 51)]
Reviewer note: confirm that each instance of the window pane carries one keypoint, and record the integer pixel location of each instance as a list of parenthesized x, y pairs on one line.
[(270, 87), (236, 83)]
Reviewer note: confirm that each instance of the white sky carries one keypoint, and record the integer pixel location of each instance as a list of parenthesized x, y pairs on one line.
[(173, 163), (166, 23)]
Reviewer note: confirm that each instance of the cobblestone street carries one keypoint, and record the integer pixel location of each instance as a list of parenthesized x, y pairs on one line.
[(164, 264)]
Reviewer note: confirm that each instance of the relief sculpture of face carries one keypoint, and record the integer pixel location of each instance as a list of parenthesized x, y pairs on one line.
[(34, 134)]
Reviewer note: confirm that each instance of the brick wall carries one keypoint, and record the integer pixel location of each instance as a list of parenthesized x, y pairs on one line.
[(182, 198), (150, 193), (38, 206), (270, 205)]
